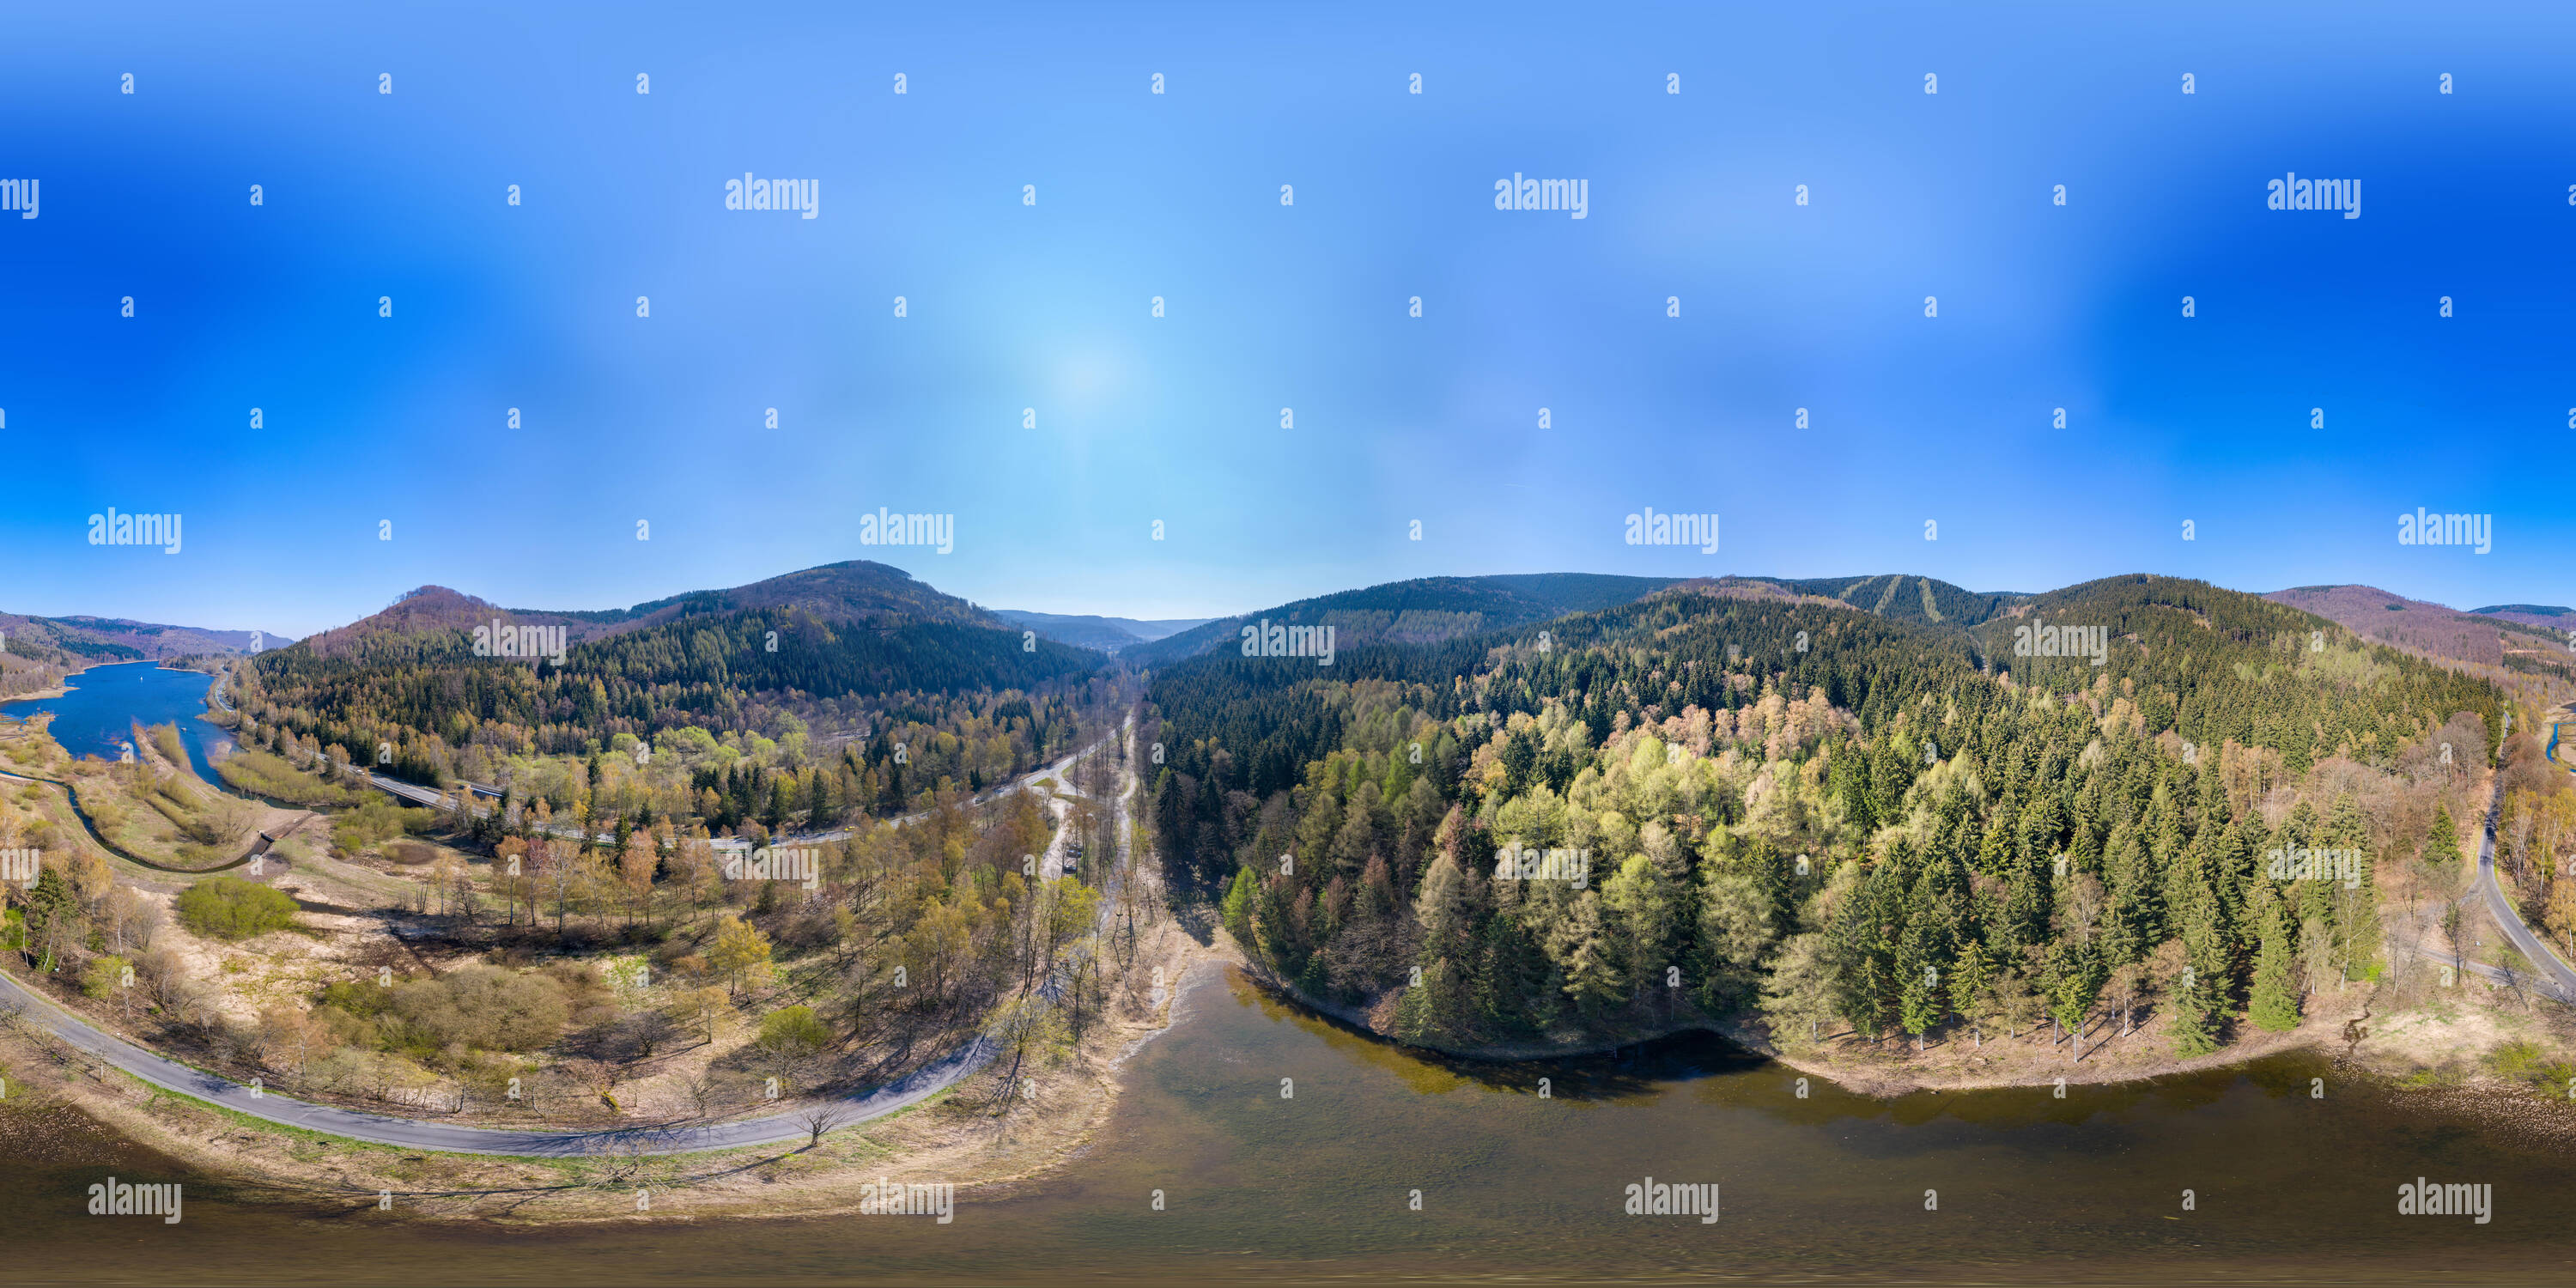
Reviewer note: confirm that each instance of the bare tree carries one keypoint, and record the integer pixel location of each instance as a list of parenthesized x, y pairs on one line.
[(820, 1116)]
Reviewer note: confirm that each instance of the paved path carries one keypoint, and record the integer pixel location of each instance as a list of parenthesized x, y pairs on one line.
[(456, 1138), (793, 1124)]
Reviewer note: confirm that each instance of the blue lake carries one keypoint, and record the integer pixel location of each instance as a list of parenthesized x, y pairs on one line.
[(96, 717)]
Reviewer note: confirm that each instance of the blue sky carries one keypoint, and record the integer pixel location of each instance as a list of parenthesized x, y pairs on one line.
[(1012, 306)]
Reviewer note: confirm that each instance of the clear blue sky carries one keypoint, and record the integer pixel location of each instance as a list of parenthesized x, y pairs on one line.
[(1305, 306)]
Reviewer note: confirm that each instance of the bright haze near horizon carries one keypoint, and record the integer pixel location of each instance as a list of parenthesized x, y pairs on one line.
[(374, 201)]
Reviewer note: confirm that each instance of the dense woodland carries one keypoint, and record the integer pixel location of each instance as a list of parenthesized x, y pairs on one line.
[(1848, 822), (836, 722)]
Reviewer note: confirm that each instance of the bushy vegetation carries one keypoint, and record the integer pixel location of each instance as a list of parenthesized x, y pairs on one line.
[(483, 1006), (262, 774), (377, 819), (2527, 1063), (231, 909)]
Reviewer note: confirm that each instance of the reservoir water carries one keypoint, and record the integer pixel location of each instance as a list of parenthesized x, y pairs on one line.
[(2287, 1187), (95, 718)]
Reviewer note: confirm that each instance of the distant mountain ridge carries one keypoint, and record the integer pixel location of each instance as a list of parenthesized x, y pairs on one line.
[(98, 639), (2484, 638), (1425, 610), (2549, 616), (1107, 634)]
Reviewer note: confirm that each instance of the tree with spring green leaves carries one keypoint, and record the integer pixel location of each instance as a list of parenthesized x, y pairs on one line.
[(2075, 978)]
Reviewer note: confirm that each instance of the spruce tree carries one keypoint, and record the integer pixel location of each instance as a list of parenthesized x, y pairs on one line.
[(53, 917), (2275, 1004), (2358, 924), (2195, 1021), (2443, 844)]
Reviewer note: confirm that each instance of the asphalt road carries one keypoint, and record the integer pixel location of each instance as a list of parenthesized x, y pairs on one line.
[(2553, 976)]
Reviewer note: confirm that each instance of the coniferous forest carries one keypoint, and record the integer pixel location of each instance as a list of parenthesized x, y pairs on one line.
[(1787, 807)]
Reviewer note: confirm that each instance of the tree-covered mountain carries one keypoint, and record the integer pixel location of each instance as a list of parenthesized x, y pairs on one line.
[(2496, 641), (1107, 634), (2553, 617), (1843, 820), (1422, 611), (37, 652), (1904, 598), (852, 591), (858, 644)]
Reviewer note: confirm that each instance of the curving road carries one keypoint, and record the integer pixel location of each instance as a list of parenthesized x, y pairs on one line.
[(455, 1138), (2554, 977), (794, 1124)]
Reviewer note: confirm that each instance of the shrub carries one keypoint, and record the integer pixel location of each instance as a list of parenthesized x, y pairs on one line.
[(259, 773), (2526, 1062), (793, 1028), (481, 1006), (229, 908), (103, 977), (361, 999), (378, 820)]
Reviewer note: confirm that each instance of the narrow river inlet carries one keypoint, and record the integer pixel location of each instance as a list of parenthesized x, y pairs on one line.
[(1516, 1180)]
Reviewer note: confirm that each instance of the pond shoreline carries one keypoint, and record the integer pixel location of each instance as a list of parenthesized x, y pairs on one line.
[(2323, 1029)]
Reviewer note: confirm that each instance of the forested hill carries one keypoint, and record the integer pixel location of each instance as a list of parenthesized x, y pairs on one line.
[(2498, 642), (411, 676), (37, 652), (1421, 611), (1864, 833), (425, 620), (1905, 599)]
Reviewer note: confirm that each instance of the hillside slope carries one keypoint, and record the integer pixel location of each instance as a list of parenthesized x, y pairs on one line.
[(2481, 639), (1904, 598), (1426, 610)]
